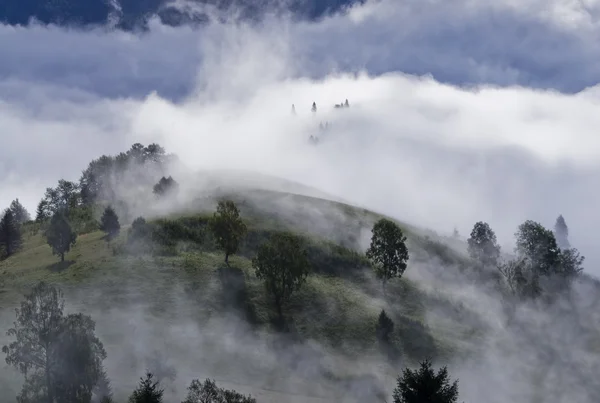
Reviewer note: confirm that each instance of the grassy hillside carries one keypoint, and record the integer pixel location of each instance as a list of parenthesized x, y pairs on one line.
[(338, 307)]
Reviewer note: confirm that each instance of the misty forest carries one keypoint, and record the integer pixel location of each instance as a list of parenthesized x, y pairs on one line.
[(214, 294), (299, 201)]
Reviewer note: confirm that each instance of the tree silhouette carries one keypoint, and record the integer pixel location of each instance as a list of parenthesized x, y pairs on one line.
[(10, 234), (109, 223), (283, 265), (60, 236), (482, 245), (561, 232), (148, 391), (227, 227), (388, 252), (425, 386), (209, 392)]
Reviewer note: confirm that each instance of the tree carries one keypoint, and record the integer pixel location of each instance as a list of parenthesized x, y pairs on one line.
[(10, 233), (109, 223), (425, 386), (60, 236), (538, 246), (384, 328), (283, 265), (20, 213), (165, 186), (482, 245), (60, 357), (388, 252), (209, 392), (41, 213), (227, 227), (314, 107), (148, 391), (561, 232)]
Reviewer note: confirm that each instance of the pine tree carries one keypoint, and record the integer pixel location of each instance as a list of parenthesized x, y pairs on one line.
[(384, 328), (10, 234), (109, 223), (148, 391), (561, 232), (425, 386)]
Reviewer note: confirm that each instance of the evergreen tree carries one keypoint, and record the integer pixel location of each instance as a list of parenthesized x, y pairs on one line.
[(227, 227), (60, 236), (388, 252), (209, 392), (561, 232), (20, 213), (10, 234), (109, 223), (384, 328), (425, 386), (148, 391), (314, 107), (482, 245)]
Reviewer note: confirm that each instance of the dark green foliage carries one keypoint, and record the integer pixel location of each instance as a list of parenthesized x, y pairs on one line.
[(388, 252), (384, 328), (537, 245), (60, 356), (62, 198), (109, 223), (139, 237), (483, 246), (148, 391), (60, 236), (561, 232), (228, 228), (20, 213), (425, 386), (283, 265), (165, 186), (10, 234), (209, 392), (42, 211)]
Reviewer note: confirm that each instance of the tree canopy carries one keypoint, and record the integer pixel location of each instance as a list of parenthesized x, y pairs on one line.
[(227, 227), (283, 265), (59, 356), (425, 386), (60, 236), (483, 246), (10, 234), (19, 212), (148, 391), (388, 252), (209, 392), (109, 223)]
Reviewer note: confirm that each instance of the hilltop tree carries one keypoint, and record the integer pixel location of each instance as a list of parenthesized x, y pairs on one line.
[(537, 245), (209, 392), (388, 252), (227, 227), (10, 234), (148, 391), (561, 232), (282, 263), (19, 212), (165, 186), (60, 236), (482, 245), (60, 357), (425, 386), (109, 223)]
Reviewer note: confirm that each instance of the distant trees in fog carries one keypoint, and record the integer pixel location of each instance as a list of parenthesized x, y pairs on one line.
[(424, 385), (165, 186), (282, 263), (483, 246), (388, 252), (209, 392), (561, 232), (59, 356), (227, 227)]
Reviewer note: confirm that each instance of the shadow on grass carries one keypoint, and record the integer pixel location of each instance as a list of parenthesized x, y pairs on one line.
[(60, 266), (235, 292)]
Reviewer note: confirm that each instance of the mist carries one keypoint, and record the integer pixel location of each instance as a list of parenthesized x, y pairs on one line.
[(459, 112)]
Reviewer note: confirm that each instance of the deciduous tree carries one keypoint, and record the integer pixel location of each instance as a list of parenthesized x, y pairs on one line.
[(388, 252), (20, 213), (209, 392), (60, 236), (482, 245), (283, 265), (227, 227)]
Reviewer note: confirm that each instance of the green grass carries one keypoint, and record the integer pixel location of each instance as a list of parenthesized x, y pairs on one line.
[(338, 306)]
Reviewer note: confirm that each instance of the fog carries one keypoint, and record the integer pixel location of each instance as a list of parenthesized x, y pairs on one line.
[(459, 111)]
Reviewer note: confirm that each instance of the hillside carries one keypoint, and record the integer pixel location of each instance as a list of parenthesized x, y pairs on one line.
[(337, 309)]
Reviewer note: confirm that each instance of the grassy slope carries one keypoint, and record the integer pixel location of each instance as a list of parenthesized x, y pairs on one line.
[(338, 306)]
